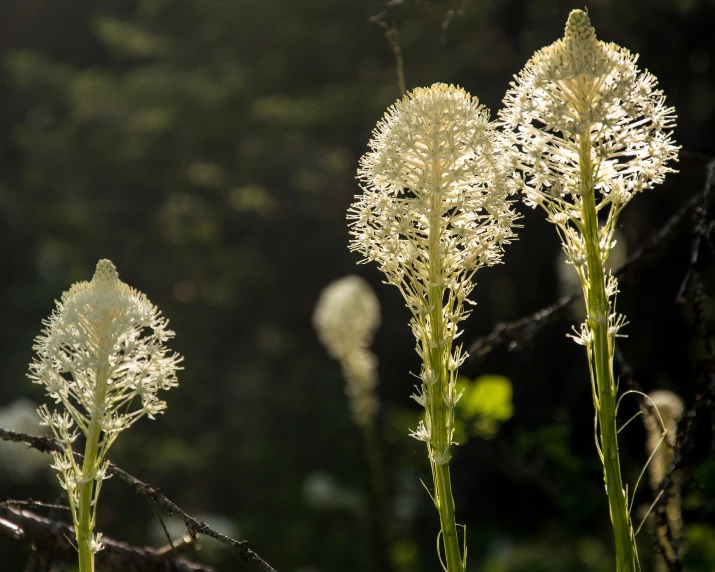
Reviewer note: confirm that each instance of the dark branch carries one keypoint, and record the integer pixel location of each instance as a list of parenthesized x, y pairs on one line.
[(667, 544), (194, 526), (523, 329), (56, 539), (392, 34)]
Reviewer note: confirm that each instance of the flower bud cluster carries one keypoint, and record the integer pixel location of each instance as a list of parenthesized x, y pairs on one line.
[(346, 317)]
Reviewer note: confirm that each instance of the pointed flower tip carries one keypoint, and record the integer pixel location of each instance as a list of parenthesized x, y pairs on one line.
[(105, 272), (578, 27)]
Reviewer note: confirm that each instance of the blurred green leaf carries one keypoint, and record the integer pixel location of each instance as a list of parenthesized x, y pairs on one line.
[(485, 403)]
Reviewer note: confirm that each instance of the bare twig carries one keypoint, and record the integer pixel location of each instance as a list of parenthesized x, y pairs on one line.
[(456, 11), (47, 536), (523, 329), (193, 526), (392, 34), (518, 331), (667, 543), (172, 548), (705, 380)]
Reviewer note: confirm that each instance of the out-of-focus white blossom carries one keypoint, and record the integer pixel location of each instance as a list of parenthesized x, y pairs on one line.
[(661, 435), (102, 355), (322, 492), (17, 462), (434, 210), (662, 430), (346, 317)]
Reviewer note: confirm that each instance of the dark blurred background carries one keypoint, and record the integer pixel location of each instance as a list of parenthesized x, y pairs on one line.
[(209, 149)]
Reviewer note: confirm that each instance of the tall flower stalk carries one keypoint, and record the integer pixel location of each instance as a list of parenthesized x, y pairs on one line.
[(588, 131), (102, 356), (346, 317), (433, 211)]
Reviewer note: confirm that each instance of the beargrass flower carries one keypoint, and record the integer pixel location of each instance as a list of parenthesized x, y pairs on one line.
[(346, 316), (588, 131), (661, 428), (581, 106), (433, 211), (102, 356)]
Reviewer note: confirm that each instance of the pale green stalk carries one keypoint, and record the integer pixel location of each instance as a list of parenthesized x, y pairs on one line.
[(600, 352), (441, 415), (86, 522), (90, 466), (589, 131)]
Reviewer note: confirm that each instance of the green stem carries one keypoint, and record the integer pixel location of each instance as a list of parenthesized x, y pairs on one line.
[(440, 413), (602, 366), (86, 520), (86, 492), (445, 506)]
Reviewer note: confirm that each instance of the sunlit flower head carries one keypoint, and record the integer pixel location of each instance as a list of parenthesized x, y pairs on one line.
[(577, 92), (102, 353), (102, 356), (435, 198)]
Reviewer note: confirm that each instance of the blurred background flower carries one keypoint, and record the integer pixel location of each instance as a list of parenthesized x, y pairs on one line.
[(19, 462)]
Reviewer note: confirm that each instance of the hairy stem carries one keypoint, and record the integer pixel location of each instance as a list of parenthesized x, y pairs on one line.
[(601, 356)]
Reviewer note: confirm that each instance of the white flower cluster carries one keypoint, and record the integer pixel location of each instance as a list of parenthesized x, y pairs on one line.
[(432, 178), (580, 96), (580, 89), (586, 129), (346, 317), (102, 356), (434, 210)]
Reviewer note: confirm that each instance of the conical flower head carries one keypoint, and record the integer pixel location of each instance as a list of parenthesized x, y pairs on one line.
[(102, 353), (578, 88), (434, 191), (346, 316)]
